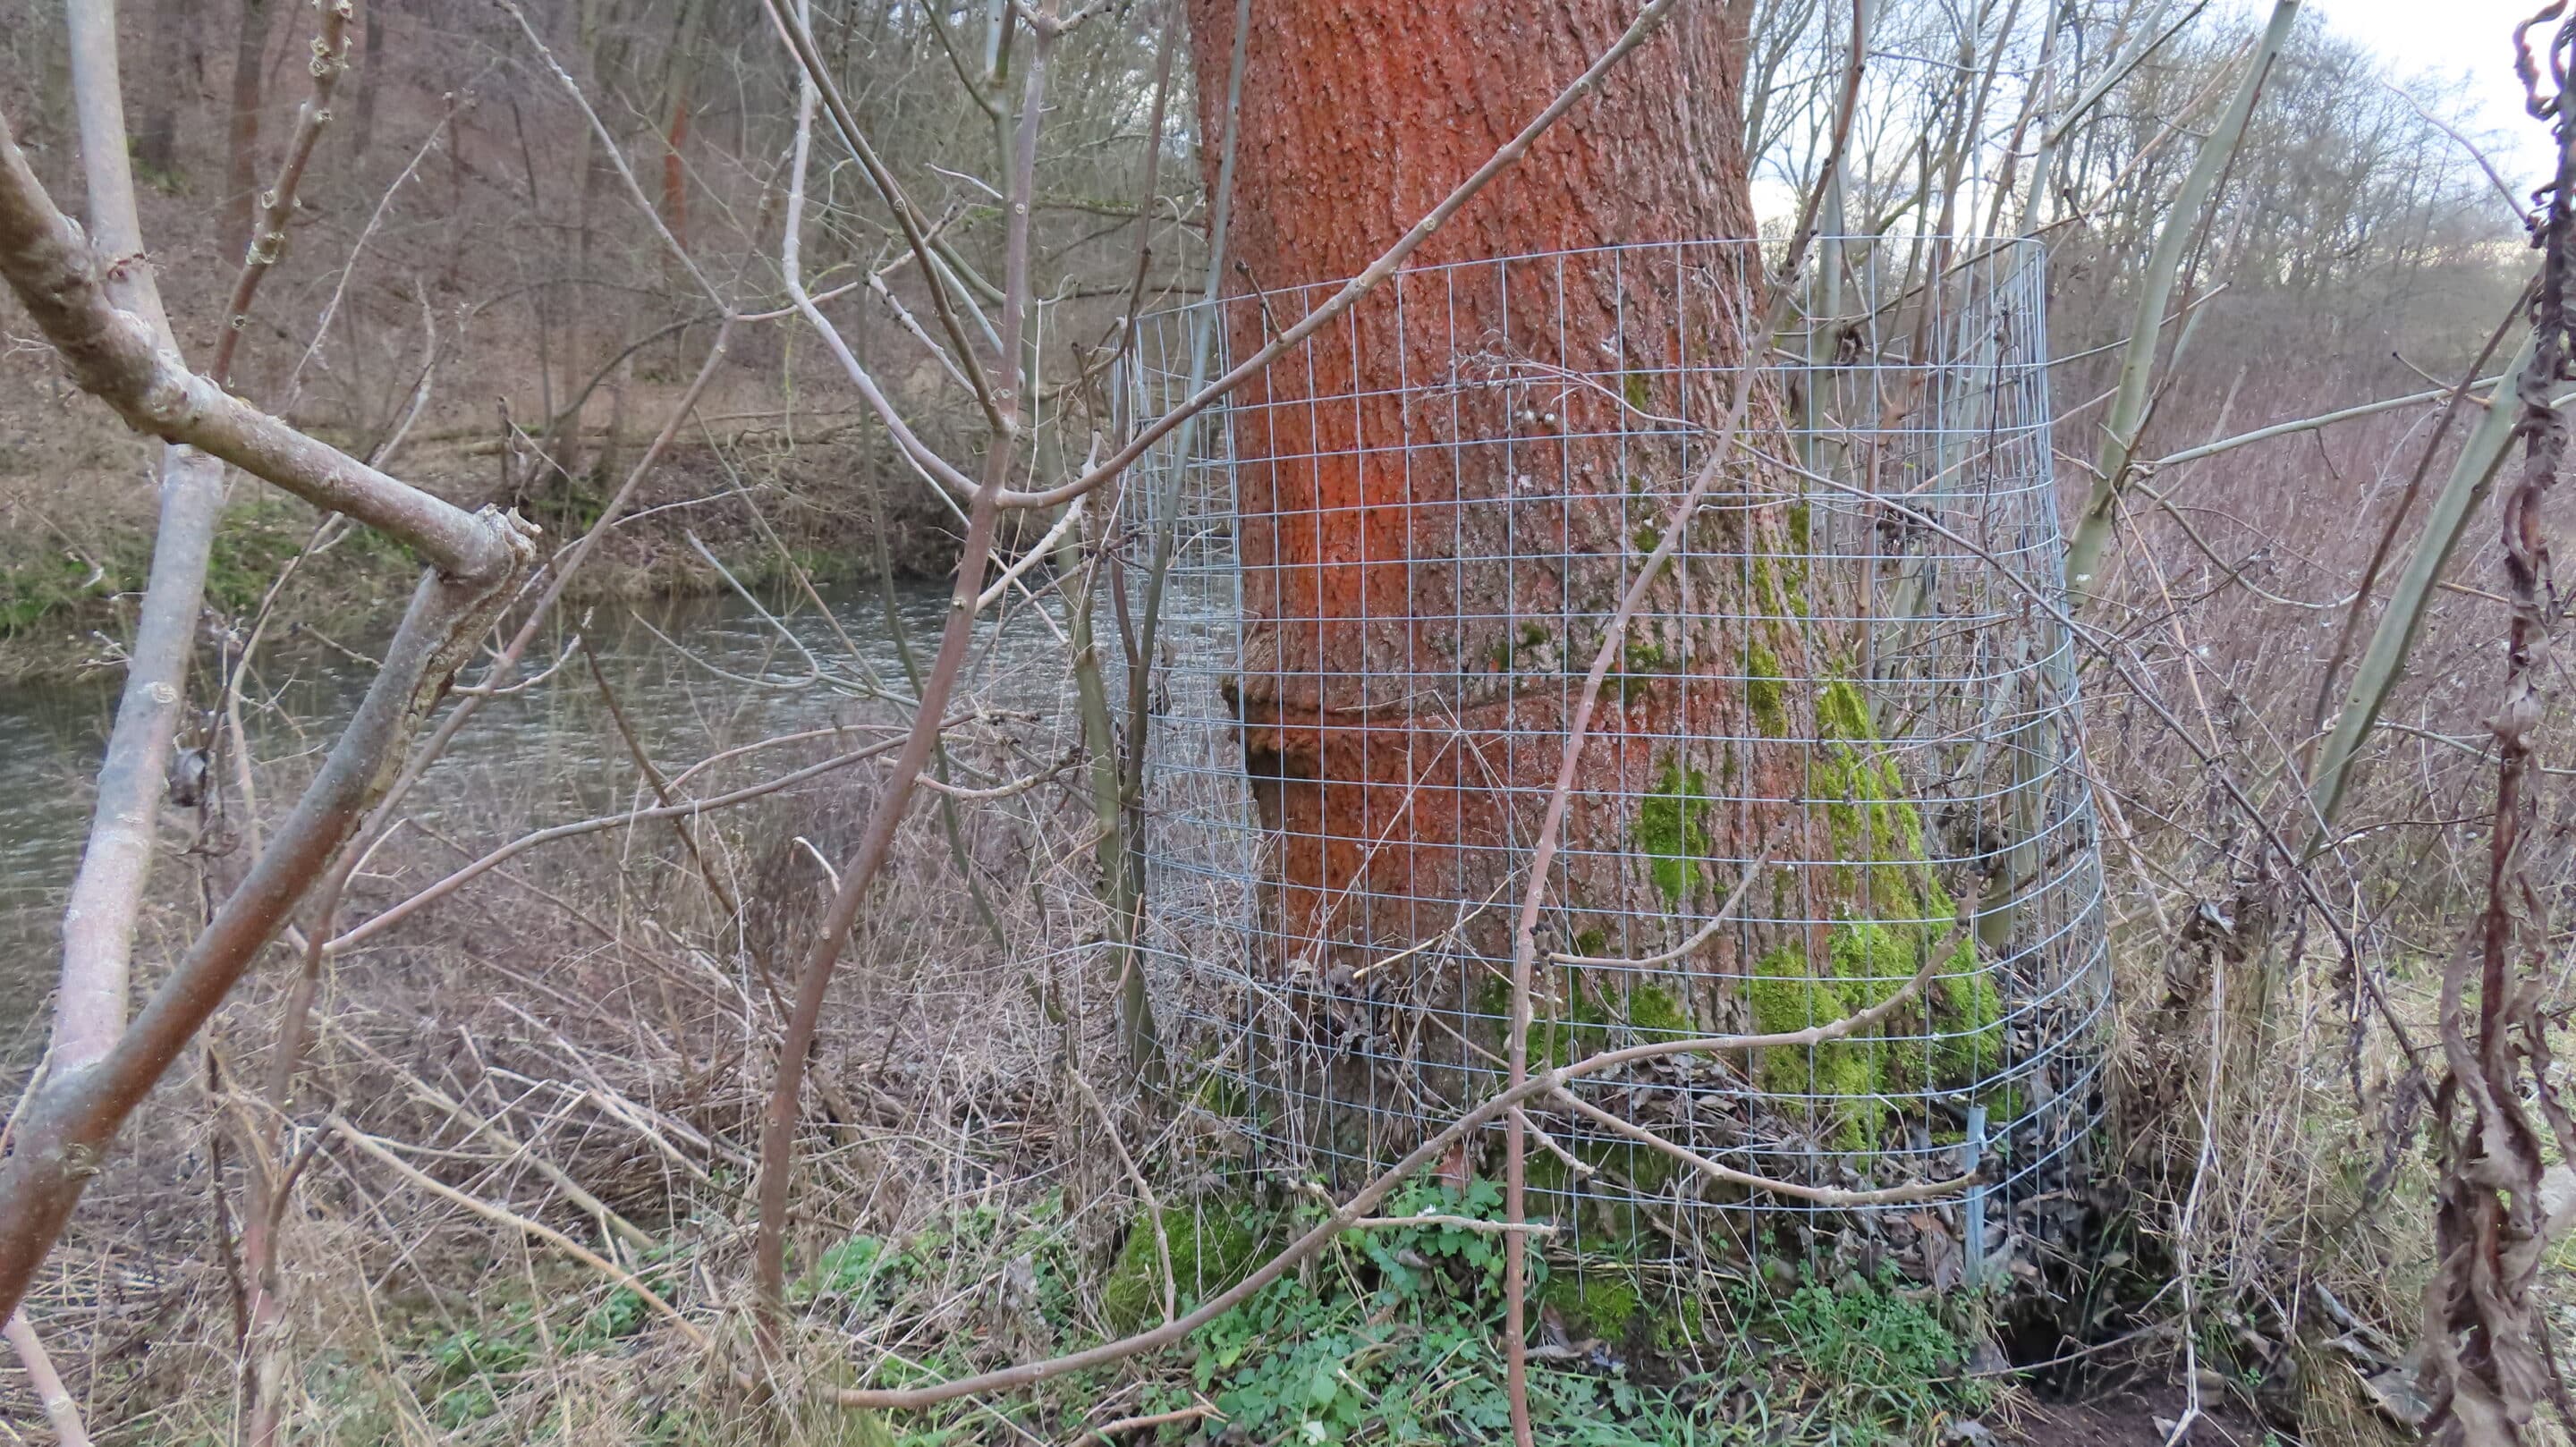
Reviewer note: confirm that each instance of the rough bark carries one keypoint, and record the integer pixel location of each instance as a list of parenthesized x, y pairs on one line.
[(1422, 571)]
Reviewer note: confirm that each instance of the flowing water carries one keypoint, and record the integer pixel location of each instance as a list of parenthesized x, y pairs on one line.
[(692, 675)]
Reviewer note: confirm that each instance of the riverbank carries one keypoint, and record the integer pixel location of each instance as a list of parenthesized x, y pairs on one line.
[(76, 521)]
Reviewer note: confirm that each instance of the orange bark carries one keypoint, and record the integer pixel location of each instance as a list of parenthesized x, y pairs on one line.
[(1441, 498)]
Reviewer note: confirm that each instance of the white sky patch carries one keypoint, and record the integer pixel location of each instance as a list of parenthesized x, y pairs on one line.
[(2468, 41), (2462, 43), (1774, 199)]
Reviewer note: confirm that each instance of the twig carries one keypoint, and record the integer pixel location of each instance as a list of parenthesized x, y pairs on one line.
[(817, 77), (1698, 937), (2512, 202), (1583, 1170), (1153, 1207), (661, 787), (277, 205), (2455, 392), (1107, 1430), (778, 1119), (1815, 1195), (395, 914), (501, 1216), (1462, 1223), (60, 1409), (617, 158)]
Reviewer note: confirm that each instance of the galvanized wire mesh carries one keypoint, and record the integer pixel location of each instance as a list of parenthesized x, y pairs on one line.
[(1847, 705)]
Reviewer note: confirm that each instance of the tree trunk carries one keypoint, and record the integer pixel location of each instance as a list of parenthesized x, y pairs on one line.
[(1426, 574), (241, 168), (1442, 498), (680, 69), (370, 76), (156, 136)]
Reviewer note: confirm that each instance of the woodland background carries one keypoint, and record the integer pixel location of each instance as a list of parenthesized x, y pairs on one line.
[(473, 297)]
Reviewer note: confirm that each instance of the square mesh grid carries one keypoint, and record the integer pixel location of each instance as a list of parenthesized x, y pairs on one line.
[(1847, 704)]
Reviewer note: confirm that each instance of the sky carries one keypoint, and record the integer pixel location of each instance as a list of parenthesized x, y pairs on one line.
[(2464, 42), (2454, 39)]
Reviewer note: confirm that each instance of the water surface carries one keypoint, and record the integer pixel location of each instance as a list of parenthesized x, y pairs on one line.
[(692, 675)]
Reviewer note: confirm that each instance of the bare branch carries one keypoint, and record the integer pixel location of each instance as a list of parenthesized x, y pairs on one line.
[(360, 933), (115, 357), (116, 860), (916, 234), (60, 1409), (1729, 1175), (778, 1120), (330, 51), (71, 1117)]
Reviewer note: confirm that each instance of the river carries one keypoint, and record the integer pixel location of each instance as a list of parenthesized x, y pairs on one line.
[(693, 676)]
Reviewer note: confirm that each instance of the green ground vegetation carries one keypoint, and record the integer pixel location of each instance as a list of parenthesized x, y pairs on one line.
[(1388, 1336)]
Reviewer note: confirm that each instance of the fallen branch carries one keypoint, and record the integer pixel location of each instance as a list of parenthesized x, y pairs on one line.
[(502, 1216)]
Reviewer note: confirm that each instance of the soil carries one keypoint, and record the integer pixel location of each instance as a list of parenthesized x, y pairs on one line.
[(2127, 1417)]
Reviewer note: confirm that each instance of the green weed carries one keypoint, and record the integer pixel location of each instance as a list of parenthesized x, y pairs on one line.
[(1393, 1337)]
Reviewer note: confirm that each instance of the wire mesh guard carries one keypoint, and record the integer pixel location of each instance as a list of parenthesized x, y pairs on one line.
[(1844, 705)]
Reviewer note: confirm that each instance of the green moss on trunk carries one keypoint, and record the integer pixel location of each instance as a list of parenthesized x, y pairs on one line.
[(1890, 913), (1893, 913), (1672, 830)]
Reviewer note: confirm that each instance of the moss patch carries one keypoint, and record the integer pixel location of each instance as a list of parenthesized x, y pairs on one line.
[(1605, 1297), (1672, 830), (1766, 689), (71, 587), (1221, 1094), (1594, 1302), (1865, 963), (47, 583), (1211, 1251), (1893, 912)]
